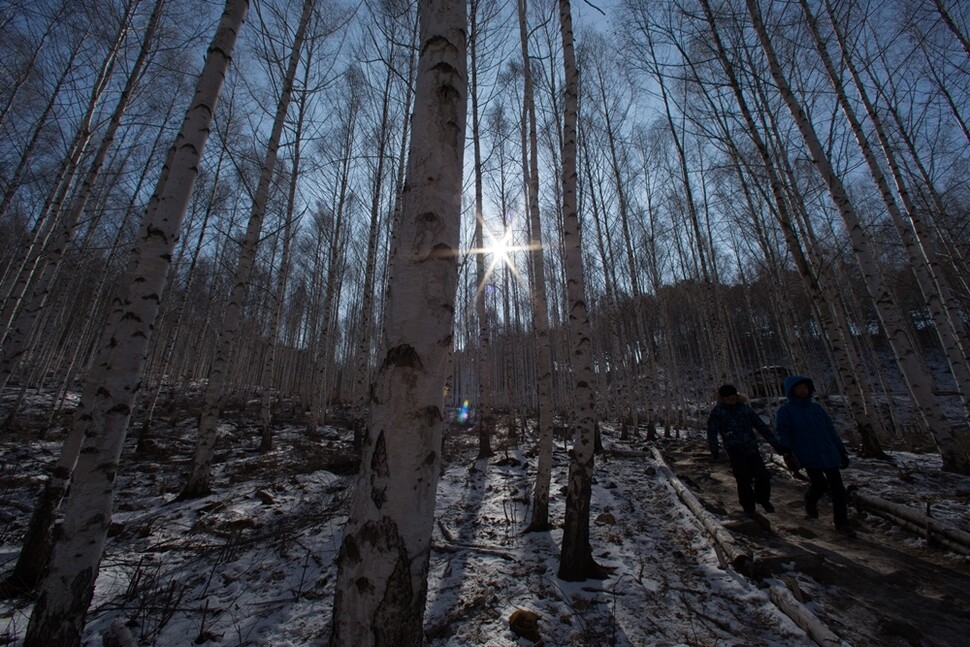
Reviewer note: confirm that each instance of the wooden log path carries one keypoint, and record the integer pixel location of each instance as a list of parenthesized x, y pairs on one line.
[(742, 562)]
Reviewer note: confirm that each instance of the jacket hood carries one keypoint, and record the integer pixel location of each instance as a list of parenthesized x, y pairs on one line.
[(792, 380)]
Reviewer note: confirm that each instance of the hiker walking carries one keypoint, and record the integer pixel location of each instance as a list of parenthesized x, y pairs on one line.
[(733, 422), (806, 432)]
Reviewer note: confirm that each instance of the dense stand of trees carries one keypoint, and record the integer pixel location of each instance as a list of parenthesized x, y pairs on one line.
[(670, 196)]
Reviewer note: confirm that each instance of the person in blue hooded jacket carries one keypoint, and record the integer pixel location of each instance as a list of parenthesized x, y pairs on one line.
[(735, 422), (806, 431)]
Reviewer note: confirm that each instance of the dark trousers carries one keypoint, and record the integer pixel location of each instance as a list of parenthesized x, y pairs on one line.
[(829, 479), (753, 478)]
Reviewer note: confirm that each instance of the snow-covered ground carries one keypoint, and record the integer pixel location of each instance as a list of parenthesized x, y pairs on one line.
[(253, 564)]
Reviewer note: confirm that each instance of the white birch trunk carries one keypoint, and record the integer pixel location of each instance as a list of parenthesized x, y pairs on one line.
[(34, 555), (923, 260), (320, 393), (265, 407), (485, 391), (105, 410), (25, 322), (952, 442), (25, 72), (576, 558), (198, 483), (952, 26), (22, 272), (624, 372), (540, 313), (375, 322), (278, 299), (320, 396), (175, 334), (836, 335), (383, 562), (14, 183), (710, 319), (932, 288), (93, 325), (366, 321), (927, 191)]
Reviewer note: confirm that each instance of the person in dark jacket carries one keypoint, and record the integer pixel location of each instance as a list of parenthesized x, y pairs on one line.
[(734, 422), (806, 431)]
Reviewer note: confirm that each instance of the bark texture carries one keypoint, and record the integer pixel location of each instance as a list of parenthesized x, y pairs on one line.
[(383, 562), (576, 559), (105, 409), (198, 483), (951, 441)]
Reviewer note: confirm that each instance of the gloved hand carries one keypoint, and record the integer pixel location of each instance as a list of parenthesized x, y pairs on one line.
[(791, 462), (844, 463)]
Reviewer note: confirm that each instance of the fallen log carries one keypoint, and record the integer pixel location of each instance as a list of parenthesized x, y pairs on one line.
[(802, 617), (934, 530), (728, 551)]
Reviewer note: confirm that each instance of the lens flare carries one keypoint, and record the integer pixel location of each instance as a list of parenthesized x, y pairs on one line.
[(463, 413)]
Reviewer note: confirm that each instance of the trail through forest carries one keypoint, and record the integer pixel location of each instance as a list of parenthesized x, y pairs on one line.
[(883, 587)]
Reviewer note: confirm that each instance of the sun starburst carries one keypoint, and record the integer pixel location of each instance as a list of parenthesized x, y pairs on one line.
[(501, 250)]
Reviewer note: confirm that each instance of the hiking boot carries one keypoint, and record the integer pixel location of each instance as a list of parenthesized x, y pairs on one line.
[(845, 529), (768, 507), (811, 508)]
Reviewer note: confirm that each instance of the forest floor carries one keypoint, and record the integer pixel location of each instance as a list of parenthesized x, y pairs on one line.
[(253, 563)]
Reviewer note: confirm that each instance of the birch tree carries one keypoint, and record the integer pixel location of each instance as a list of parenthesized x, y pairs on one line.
[(700, 252), (21, 274), (15, 180), (485, 391), (540, 314), (383, 562), (952, 442), (291, 219), (325, 341), (951, 25), (384, 132), (928, 193), (576, 557), (105, 410), (909, 225), (279, 294), (165, 357), (198, 482), (18, 76), (836, 336), (50, 262)]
